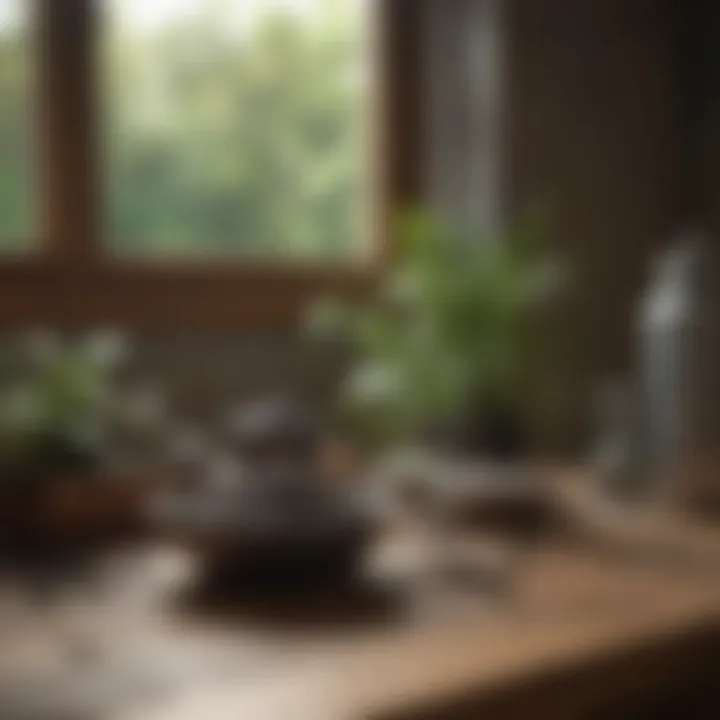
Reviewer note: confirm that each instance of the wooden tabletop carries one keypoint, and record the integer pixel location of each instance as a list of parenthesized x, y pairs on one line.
[(563, 631)]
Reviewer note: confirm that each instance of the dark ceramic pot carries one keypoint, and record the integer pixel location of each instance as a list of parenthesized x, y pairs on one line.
[(262, 535), (283, 523)]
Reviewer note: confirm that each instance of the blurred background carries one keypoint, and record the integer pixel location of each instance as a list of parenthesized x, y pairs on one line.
[(253, 134), (423, 292)]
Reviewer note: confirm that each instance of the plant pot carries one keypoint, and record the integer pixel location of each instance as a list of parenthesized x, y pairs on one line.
[(56, 508), (491, 433), (88, 507)]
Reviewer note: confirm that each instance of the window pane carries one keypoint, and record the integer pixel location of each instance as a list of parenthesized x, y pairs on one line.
[(236, 126), (15, 124)]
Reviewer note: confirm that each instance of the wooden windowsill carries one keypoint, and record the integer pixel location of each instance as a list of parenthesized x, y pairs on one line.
[(168, 296)]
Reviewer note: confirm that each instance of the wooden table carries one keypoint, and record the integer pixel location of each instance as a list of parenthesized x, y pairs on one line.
[(585, 630)]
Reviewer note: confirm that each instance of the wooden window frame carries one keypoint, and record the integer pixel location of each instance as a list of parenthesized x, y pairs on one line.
[(68, 281)]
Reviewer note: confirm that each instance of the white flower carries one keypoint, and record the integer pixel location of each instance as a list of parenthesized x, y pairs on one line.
[(107, 348)]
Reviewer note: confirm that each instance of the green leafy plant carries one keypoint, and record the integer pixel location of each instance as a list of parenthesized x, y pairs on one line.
[(56, 403), (443, 337)]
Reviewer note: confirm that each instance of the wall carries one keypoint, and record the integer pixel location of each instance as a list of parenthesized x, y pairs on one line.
[(208, 374), (593, 136)]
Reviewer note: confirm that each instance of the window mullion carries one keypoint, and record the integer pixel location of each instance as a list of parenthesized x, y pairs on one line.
[(68, 129)]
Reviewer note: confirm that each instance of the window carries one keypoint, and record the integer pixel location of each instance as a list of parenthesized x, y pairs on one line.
[(200, 163), (236, 126), (15, 122)]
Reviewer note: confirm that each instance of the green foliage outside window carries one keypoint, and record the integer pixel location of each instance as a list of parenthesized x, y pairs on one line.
[(15, 125), (237, 131)]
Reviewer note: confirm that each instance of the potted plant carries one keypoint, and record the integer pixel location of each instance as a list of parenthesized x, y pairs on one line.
[(440, 347), (56, 407)]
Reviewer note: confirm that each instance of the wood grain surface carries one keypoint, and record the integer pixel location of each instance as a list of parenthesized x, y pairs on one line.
[(565, 630)]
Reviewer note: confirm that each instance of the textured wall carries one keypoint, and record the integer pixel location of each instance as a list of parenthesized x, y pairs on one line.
[(593, 135), (207, 374)]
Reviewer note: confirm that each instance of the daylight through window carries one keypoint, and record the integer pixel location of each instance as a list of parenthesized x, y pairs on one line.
[(236, 127)]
